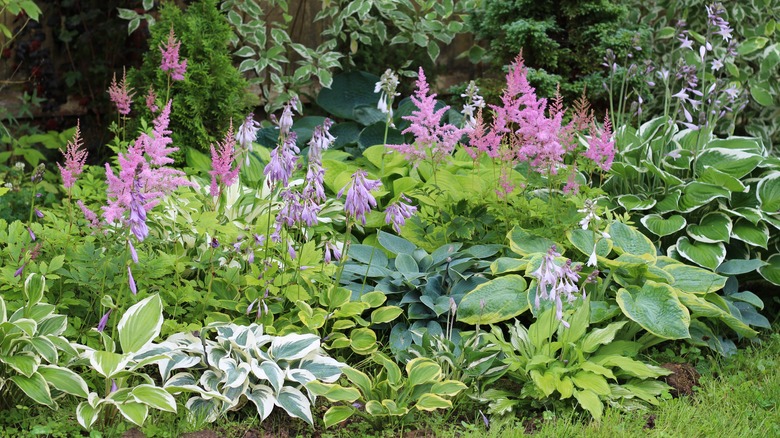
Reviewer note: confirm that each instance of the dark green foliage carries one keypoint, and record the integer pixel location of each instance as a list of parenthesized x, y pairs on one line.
[(561, 41), (213, 91)]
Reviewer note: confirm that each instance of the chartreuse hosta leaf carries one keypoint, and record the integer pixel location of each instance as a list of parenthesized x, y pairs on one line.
[(494, 301), (140, 324), (661, 227), (524, 243), (656, 308), (583, 240), (714, 227), (708, 255), (755, 235), (768, 192), (590, 401)]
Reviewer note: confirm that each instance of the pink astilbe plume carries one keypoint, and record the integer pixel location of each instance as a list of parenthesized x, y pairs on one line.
[(222, 159), (151, 98), (170, 58), (75, 157), (601, 145), (120, 94), (142, 179), (433, 141)]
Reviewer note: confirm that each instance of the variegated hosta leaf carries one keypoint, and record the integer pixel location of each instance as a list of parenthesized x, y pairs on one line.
[(35, 387), (86, 414), (108, 364), (771, 271), (185, 382), (64, 380), (140, 324), (656, 308), (216, 353), (178, 360), (714, 227), (3, 311), (300, 375), (633, 202), (768, 192), (708, 255), (324, 368), (155, 397), (756, 235), (735, 162), (45, 348), (271, 372), (663, 227), (210, 380), (202, 410), (711, 175), (24, 363), (235, 373), (293, 346), (264, 399), (697, 194), (295, 404), (669, 203)]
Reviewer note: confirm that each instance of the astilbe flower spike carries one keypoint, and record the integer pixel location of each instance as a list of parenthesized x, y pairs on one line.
[(170, 58), (120, 94), (75, 157), (151, 100), (222, 172), (359, 200), (601, 145)]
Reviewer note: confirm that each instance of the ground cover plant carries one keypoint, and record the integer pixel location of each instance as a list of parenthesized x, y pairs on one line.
[(523, 258)]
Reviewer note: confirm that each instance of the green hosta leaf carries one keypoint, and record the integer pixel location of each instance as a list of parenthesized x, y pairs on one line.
[(703, 308), (768, 192), (633, 202), (524, 243), (735, 162), (708, 255), (663, 227), (771, 271), (431, 402), (738, 266), (545, 382), (363, 341), (333, 392), (155, 397), (293, 346), (600, 336), (630, 366), (693, 279), (756, 235), (713, 228), (64, 380), (697, 194), (762, 95), (656, 308), (422, 370), (140, 324), (589, 400), (136, 413), (107, 363), (337, 414), (497, 300), (35, 387), (583, 241), (295, 404), (449, 388), (627, 239)]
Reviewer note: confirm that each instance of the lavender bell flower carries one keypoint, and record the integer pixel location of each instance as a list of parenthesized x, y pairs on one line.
[(133, 253), (20, 270), (131, 281), (359, 199), (32, 235), (39, 214), (103, 321)]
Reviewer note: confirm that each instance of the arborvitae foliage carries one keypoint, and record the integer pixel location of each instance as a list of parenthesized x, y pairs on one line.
[(562, 41), (212, 92)]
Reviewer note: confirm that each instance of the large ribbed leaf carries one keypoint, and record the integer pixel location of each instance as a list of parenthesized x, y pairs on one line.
[(697, 194), (771, 271), (656, 308), (348, 91), (627, 239), (525, 243), (735, 162), (497, 300)]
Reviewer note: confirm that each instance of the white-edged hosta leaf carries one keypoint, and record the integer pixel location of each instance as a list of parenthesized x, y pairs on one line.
[(45, 348), (324, 368), (86, 414), (756, 235), (300, 375), (752, 214), (155, 397), (669, 203), (63, 345), (293, 346), (24, 363), (235, 373), (134, 412), (200, 409), (270, 371), (450, 388), (35, 387), (431, 402), (633, 202), (140, 324), (663, 226), (708, 255), (295, 404), (711, 175), (27, 325), (108, 364), (771, 271), (669, 179), (735, 162), (264, 399), (64, 380), (697, 194), (714, 227), (768, 192), (3, 311)]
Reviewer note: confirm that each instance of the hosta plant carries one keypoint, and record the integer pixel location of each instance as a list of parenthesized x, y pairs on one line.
[(32, 348)]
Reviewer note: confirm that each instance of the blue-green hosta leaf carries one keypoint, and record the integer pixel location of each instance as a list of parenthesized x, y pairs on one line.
[(627, 239), (497, 300), (583, 241), (524, 243), (708, 255), (714, 227), (711, 175), (64, 380), (663, 227), (669, 203), (395, 244), (324, 368), (264, 399), (703, 308), (656, 308), (768, 192), (771, 271), (739, 266), (140, 324), (693, 279), (633, 202), (35, 387), (756, 235), (108, 364), (697, 194), (293, 346), (155, 397), (295, 404), (735, 162)]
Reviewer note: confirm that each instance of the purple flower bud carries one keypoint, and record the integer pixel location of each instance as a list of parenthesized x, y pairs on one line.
[(259, 240), (133, 253), (103, 321), (251, 306), (291, 251), (20, 270), (38, 213), (214, 242), (131, 281), (113, 385), (251, 257), (32, 235)]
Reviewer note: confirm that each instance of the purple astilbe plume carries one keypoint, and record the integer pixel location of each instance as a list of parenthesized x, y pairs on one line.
[(484, 140), (170, 58), (143, 179), (359, 200), (89, 215), (398, 212), (222, 159), (120, 94), (555, 282), (433, 141), (103, 321), (75, 157), (151, 100), (283, 161), (601, 145)]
